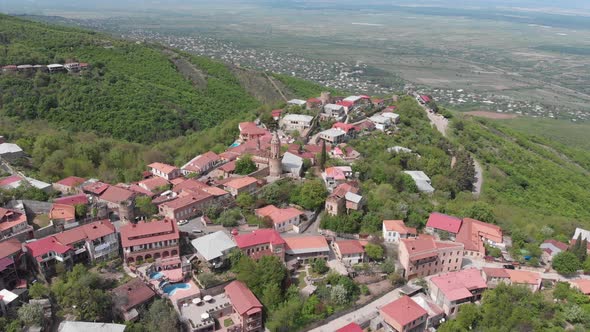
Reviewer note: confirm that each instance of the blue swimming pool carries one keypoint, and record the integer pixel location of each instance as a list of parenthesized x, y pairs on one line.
[(235, 144), (171, 289), (156, 275)]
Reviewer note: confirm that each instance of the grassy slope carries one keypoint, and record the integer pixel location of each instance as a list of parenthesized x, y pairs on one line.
[(575, 135)]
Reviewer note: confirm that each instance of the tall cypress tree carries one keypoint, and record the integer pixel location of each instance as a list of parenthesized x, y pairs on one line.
[(324, 156)]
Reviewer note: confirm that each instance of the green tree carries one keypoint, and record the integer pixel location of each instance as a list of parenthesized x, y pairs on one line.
[(245, 165), (339, 295), (160, 317), (245, 201), (81, 211), (480, 211), (32, 315), (311, 195), (319, 266), (38, 290), (145, 206), (272, 296), (323, 156), (566, 263), (374, 251)]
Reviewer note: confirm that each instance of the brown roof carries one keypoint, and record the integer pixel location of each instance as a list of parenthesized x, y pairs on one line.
[(472, 231), (71, 181), (154, 183), (117, 195), (398, 226), (164, 168), (133, 294), (347, 247), (495, 272), (9, 247), (278, 215), (190, 184), (402, 311), (91, 231), (148, 232), (239, 183), (582, 284), (62, 211), (242, 298)]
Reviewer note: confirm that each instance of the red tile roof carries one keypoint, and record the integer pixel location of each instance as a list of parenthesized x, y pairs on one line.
[(164, 168), (345, 103), (472, 231), (62, 211), (402, 311), (425, 98), (458, 285), (424, 247), (134, 293), (582, 284), (71, 181), (278, 215), (495, 272), (90, 232), (187, 198), (9, 247), (257, 237), (524, 277), (148, 232), (152, 184), (307, 243), (9, 180), (201, 162), (190, 184), (347, 247), (444, 222), (560, 245), (346, 127), (10, 218), (45, 245), (242, 298), (96, 188), (352, 327), (398, 226), (116, 194), (72, 200), (228, 167), (251, 129), (239, 183)]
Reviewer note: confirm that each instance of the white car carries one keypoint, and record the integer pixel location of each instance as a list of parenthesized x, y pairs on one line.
[(182, 222)]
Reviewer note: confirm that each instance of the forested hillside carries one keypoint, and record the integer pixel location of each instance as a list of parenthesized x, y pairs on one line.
[(132, 91)]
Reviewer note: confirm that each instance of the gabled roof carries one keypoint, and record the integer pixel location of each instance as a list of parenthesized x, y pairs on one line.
[(444, 222), (398, 226), (242, 298), (92, 231), (153, 183), (96, 188), (10, 218), (9, 247), (458, 285), (45, 245), (164, 168), (10, 180), (258, 237), (352, 327), (148, 232), (239, 183), (187, 198), (72, 200), (116, 194), (559, 245), (306, 244), (278, 215), (584, 233), (495, 272), (348, 247), (346, 127), (135, 293), (425, 247), (62, 211), (472, 231), (524, 277), (71, 181), (201, 162), (212, 246), (402, 311), (582, 284), (190, 184), (251, 129)]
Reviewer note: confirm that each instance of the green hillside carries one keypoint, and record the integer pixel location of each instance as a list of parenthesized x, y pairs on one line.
[(132, 91)]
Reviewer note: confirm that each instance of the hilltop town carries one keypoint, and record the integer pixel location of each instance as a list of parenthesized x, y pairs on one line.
[(287, 218)]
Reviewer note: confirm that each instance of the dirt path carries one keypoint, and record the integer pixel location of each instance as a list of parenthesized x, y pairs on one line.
[(187, 69), (276, 86), (479, 178)]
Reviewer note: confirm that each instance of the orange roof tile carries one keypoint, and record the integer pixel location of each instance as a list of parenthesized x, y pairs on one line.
[(278, 215), (62, 211), (239, 183), (582, 284), (164, 168), (402, 311), (398, 226)]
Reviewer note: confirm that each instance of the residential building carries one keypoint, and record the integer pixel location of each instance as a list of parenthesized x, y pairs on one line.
[(424, 256), (283, 219), (422, 181), (113, 196), (583, 285), (132, 297), (334, 176), (333, 136), (201, 164), (494, 276), (10, 256), (165, 171), (13, 224), (296, 122), (237, 186), (551, 248), (451, 290), (45, 253), (94, 187), (350, 252), (11, 152), (145, 240), (154, 185), (395, 230), (186, 205), (261, 242), (333, 111), (9, 302), (381, 122), (15, 181), (344, 152), (78, 199), (307, 248), (313, 103), (475, 234), (292, 164), (297, 102), (349, 129), (352, 327), (343, 199), (250, 131), (246, 305), (442, 225), (354, 202), (393, 117), (346, 105), (69, 185), (71, 326), (403, 315), (435, 314), (62, 214), (530, 279), (96, 241), (214, 248)]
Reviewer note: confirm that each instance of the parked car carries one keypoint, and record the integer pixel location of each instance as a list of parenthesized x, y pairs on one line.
[(509, 266), (182, 222)]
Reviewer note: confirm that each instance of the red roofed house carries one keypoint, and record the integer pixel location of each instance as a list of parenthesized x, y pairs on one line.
[(530, 279), (424, 99), (582, 284), (96, 241), (276, 114), (13, 223), (187, 205), (130, 297), (336, 202), (403, 315), (423, 256), (494, 276), (307, 248), (145, 240), (443, 225), (313, 103), (237, 186), (352, 327), (79, 199), (95, 188), (201, 164), (394, 230), (349, 252), (249, 131), (261, 242), (165, 171), (69, 185), (10, 254), (154, 185), (246, 305), (283, 219), (551, 248), (349, 129), (61, 214), (224, 171), (474, 234), (47, 252), (113, 196), (451, 290)]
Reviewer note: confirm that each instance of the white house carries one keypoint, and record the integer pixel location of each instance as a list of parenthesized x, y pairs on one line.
[(394, 230), (422, 181), (214, 248), (349, 252), (394, 117), (292, 164), (297, 122), (11, 152), (381, 122), (333, 135), (334, 111), (297, 102)]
